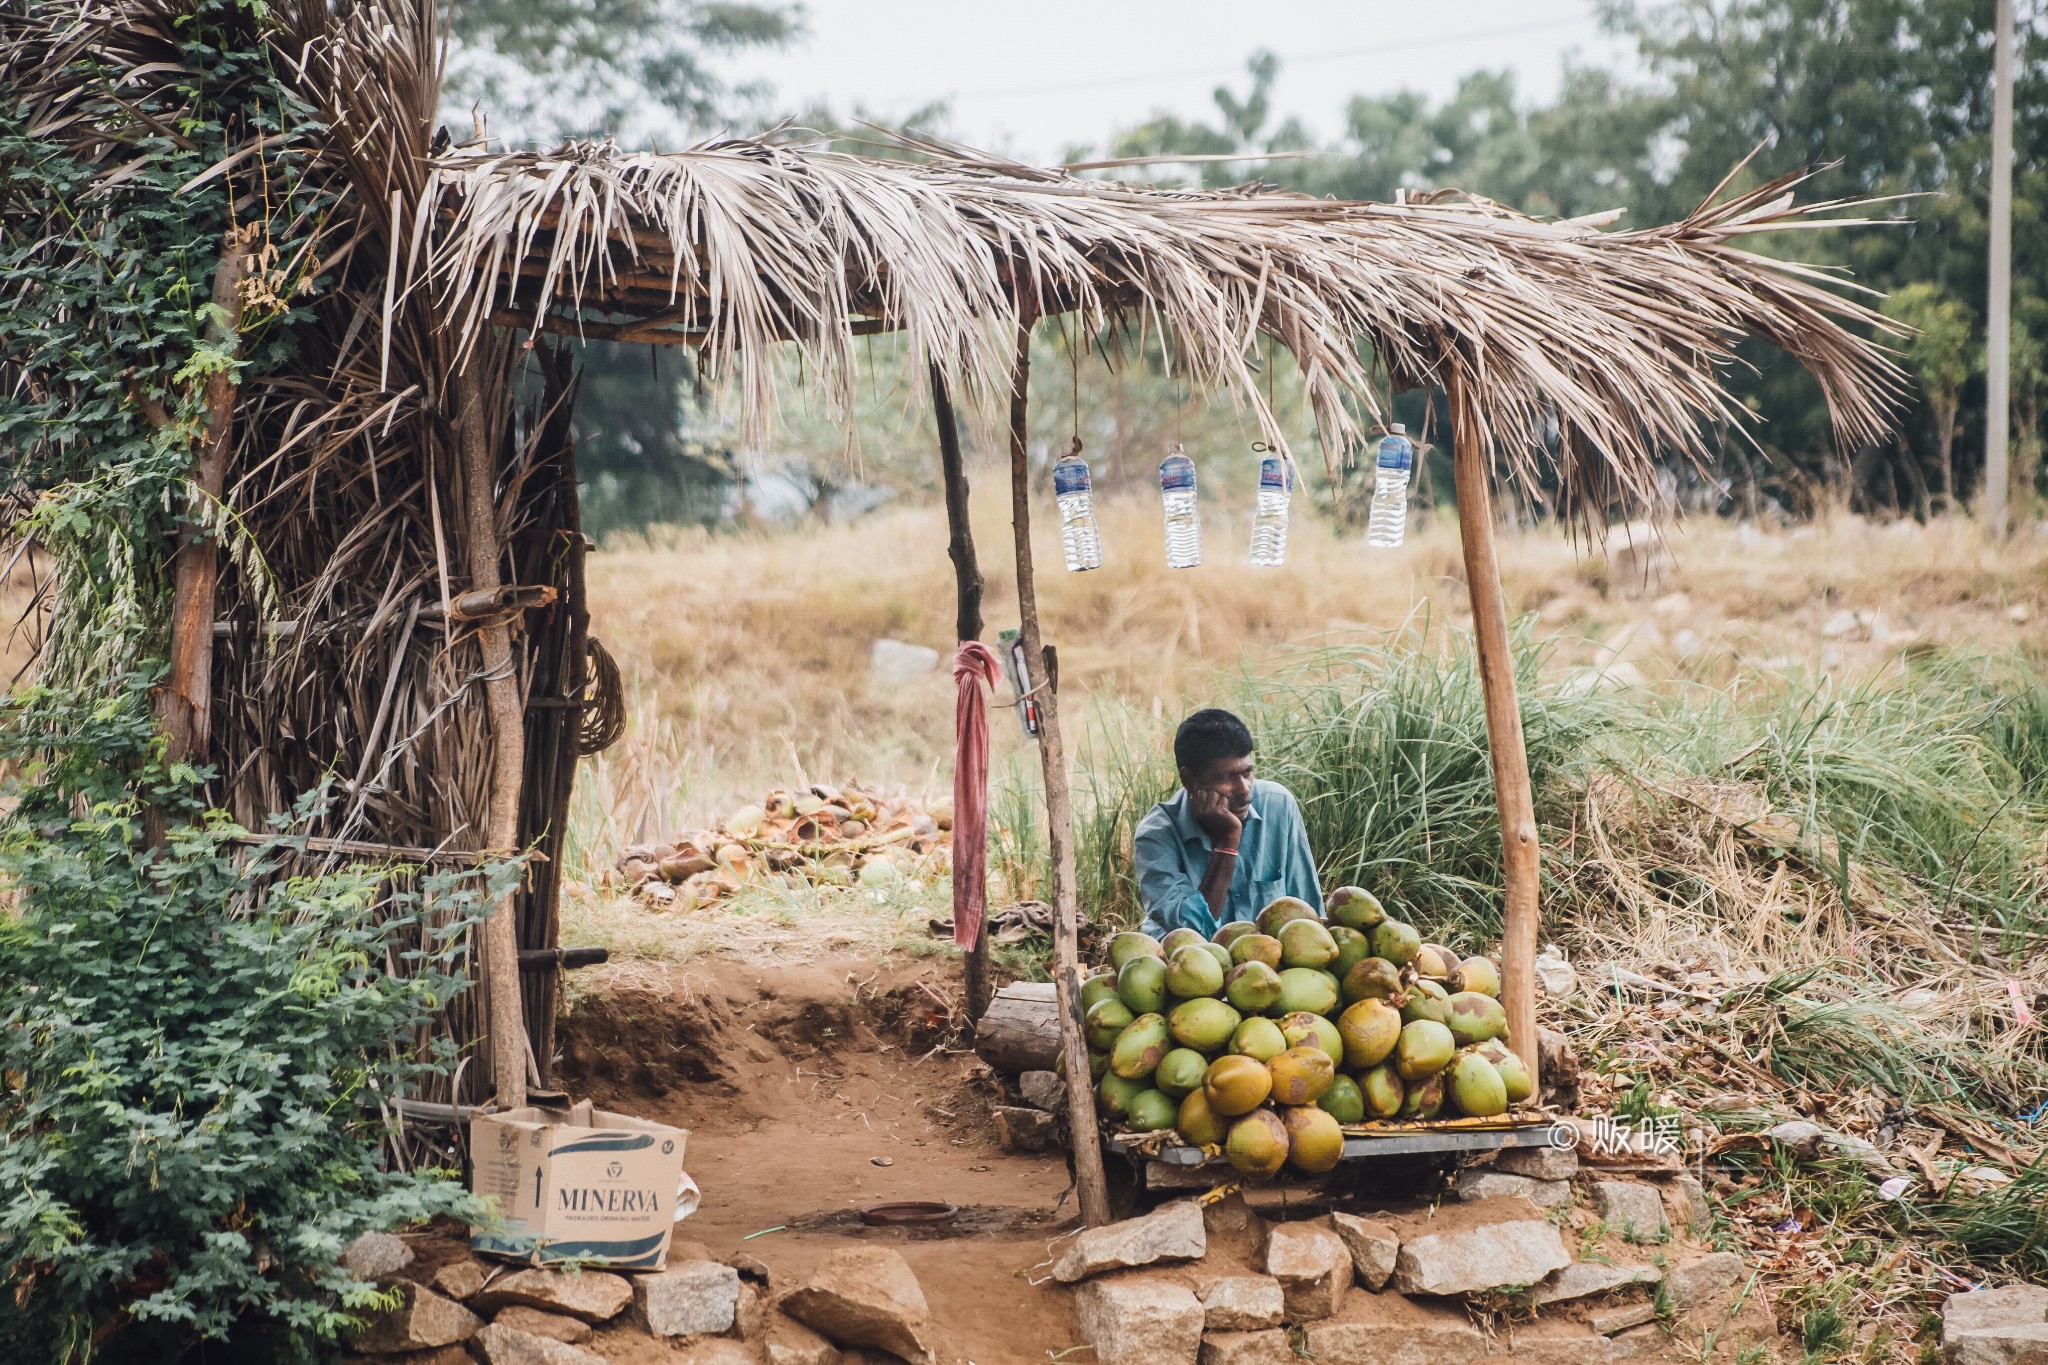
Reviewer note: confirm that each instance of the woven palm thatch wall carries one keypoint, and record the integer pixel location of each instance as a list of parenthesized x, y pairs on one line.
[(441, 268)]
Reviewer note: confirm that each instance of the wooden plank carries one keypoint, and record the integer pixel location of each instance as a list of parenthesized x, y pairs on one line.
[(1519, 854), (1089, 1181)]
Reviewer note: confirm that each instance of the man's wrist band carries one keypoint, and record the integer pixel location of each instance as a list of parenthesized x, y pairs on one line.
[(1220, 849)]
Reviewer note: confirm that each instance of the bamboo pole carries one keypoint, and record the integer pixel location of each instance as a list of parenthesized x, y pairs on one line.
[(185, 702), (967, 585), (505, 1017), (1066, 965), (1511, 789)]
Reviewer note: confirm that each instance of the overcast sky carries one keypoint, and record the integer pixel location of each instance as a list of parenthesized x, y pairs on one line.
[(1033, 79)]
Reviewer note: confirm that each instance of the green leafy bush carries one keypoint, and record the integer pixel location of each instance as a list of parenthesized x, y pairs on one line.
[(192, 1046)]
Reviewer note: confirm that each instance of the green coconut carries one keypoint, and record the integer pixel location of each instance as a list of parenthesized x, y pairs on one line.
[(1476, 1018), (1115, 1093), (1258, 1143), (1235, 930), (1369, 1029), (1306, 990), (1344, 1101), (1252, 988), (1141, 985), (1282, 911), (1476, 1088), (1150, 1110), (1384, 1090), (1192, 973), (1354, 907), (1101, 986), (1177, 939), (1398, 943), (1106, 1021), (1425, 1048), (1353, 948), (1427, 1000), (1204, 1025), (1256, 947), (1302, 1029), (1130, 944), (1374, 978), (1180, 1071), (1260, 1039), (1306, 943), (1139, 1048)]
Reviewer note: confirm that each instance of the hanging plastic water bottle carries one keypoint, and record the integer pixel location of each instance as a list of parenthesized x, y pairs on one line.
[(1076, 495), (1389, 520), (1183, 520), (1269, 532)]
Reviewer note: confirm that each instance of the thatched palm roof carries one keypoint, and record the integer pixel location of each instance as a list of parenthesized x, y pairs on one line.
[(1604, 347)]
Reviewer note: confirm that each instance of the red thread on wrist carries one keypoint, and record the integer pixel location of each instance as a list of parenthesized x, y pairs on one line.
[(1232, 851)]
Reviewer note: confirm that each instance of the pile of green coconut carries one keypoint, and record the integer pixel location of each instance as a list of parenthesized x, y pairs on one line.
[(1263, 1042)]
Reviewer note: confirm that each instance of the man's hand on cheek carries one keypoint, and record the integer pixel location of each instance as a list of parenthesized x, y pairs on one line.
[(1212, 812)]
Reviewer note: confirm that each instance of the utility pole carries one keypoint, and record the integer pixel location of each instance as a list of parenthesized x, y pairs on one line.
[(1998, 316)]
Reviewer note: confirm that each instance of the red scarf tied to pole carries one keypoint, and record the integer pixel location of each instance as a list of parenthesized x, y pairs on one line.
[(973, 667)]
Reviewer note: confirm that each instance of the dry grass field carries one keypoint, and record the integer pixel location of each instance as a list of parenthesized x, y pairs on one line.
[(747, 655)]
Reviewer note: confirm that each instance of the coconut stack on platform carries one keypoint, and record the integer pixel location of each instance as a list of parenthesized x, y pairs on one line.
[(1266, 1041)]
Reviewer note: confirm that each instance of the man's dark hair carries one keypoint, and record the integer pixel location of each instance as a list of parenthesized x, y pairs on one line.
[(1207, 736)]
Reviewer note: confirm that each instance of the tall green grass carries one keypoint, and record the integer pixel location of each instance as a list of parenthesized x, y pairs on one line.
[(1931, 781)]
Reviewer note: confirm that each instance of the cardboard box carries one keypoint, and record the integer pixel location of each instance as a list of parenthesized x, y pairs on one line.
[(577, 1184)]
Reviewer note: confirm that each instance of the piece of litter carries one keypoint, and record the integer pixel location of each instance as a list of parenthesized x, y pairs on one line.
[(1790, 1225), (881, 1161), (780, 1227), (1893, 1188)]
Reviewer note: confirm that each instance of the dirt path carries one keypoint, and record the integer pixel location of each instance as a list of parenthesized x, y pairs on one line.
[(812, 1091)]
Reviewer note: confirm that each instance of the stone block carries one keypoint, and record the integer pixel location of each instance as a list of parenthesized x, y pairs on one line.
[(591, 1295), (1703, 1279), (1639, 1343), (422, 1321), (2006, 1326), (1474, 1260), (1020, 1129), (1633, 1210), (1374, 1248), (713, 1351), (532, 1321), (1243, 1303), (1584, 1279), (501, 1345), (696, 1298), (1476, 1183), (1443, 1342), (1137, 1320), (376, 1256), (1172, 1232), (1685, 1202), (1313, 1267), (789, 1342), (1538, 1163), (1247, 1348), (459, 1279), (1608, 1321), (1045, 1090), (867, 1296)]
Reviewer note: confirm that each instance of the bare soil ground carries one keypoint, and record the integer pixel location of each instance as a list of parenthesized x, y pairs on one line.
[(811, 1091)]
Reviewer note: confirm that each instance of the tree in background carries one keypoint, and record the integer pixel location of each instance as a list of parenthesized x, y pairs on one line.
[(1943, 356), (600, 68)]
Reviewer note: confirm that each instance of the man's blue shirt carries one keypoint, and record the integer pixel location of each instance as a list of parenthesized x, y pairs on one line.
[(1172, 853)]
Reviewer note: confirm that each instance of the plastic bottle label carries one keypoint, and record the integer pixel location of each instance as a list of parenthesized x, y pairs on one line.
[(1396, 455), (1177, 474), (1273, 476), (1070, 476)]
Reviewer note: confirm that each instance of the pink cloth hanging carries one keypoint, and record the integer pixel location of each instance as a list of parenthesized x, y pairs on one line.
[(974, 666)]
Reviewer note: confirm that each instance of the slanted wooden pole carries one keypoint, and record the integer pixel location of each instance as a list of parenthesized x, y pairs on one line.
[(1511, 789), (506, 1016), (1066, 958), (184, 704), (967, 585)]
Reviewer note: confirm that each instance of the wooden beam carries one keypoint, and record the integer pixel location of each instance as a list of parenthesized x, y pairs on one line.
[(646, 330), (184, 703), (1471, 463), (1066, 963), (500, 956), (967, 585)]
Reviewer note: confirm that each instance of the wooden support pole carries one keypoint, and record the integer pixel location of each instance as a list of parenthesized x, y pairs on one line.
[(185, 702), (500, 957), (967, 584), (1066, 958), (1511, 789)]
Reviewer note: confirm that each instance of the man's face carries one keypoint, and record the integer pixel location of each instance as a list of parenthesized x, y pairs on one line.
[(1230, 778)]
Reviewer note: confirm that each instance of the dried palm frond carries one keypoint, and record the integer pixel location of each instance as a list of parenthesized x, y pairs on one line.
[(1599, 350)]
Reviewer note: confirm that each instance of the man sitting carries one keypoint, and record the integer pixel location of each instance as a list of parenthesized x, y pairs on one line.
[(1227, 845)]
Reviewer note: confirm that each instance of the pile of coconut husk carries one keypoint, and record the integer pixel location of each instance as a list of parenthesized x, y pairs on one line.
[(821, 836)]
